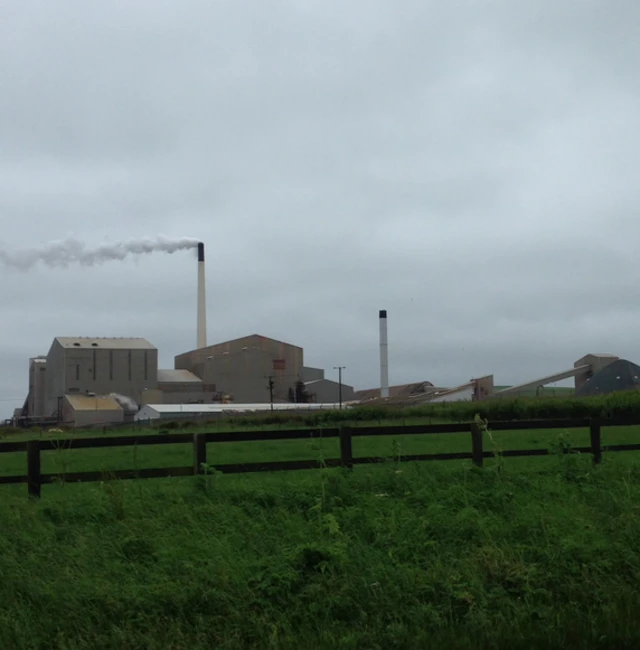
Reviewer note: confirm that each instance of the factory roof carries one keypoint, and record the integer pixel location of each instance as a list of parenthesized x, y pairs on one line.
[(177, 377), (104, 343), (619, 375), (90, 403), (194, 409), (258, 338), (415, 388), (324, 380)]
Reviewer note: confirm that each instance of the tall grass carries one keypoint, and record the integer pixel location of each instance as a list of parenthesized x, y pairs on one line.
[(400, 556)]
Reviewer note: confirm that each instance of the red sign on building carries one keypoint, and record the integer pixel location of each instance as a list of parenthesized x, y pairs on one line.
[(279, 364)]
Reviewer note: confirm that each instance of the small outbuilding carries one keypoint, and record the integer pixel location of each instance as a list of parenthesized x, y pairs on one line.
[(88, 410)]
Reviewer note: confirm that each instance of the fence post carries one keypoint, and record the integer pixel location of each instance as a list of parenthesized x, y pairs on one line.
[(476, 444), (199, 452), (33, 468), (346, 450), (596, 440)]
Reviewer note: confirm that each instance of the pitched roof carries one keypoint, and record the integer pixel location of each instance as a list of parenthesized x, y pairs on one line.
[(90, 403), (619, 375), (254, 338), (104, 343), (177, 377)]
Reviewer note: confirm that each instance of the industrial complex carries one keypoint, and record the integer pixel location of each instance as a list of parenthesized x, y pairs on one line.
[(84, 381), (87, 381)]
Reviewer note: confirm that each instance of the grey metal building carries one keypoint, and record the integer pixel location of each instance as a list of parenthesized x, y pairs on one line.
[(81, 365), (243, 367), (183, 387), (323, 390), (327, 391), (37, 397)]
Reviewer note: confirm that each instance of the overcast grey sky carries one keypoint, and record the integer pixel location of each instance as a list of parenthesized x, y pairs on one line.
[(472, 167)]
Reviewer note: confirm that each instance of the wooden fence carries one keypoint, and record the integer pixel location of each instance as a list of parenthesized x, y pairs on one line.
[(35, 479)]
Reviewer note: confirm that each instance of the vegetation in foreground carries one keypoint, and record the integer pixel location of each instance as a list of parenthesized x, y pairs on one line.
[(424, 555)]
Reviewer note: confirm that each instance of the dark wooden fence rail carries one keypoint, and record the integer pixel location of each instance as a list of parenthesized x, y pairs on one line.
[(35, 479)]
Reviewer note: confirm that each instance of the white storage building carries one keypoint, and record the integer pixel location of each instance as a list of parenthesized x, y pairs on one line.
[(151, 412)]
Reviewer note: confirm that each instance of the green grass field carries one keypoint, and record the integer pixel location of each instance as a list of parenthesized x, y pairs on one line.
[(525, 553), (421, 555), (109, 459)]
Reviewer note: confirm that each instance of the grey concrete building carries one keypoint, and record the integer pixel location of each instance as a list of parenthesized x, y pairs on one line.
[(81, 365), (242, 367)]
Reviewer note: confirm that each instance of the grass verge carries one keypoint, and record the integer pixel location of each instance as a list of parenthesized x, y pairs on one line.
[(403, 556)]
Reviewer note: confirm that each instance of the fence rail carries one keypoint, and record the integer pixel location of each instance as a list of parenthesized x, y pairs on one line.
[(35, 478)]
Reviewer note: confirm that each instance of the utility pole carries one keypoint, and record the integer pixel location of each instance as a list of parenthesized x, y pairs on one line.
[(270, 387), (339, 369)]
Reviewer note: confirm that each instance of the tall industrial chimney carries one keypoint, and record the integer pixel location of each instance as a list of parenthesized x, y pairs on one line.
[(202, 301), (384, 355)]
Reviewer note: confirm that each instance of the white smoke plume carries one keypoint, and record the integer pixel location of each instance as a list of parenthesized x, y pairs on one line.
[(126, 402), (71, 251)]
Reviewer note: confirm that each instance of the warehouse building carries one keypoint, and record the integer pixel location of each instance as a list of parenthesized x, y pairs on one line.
[(172, 412), (101, 366), (251, 370), (323, 390), (619, 375)]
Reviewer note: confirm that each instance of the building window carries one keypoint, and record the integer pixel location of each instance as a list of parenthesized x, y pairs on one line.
[(129, 361), (94, 365), (110, 365), (146, 365), (77, 372)]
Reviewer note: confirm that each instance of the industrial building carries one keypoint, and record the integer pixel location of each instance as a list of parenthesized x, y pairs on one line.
[(251, 369), (617, 376), (86, 411), (114, 377), (154, 412), (323, 390), (85, 381), (99, 366), (109, 376)]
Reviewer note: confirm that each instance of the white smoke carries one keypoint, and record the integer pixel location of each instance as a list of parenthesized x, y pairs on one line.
[(71, 251), (126, 402)]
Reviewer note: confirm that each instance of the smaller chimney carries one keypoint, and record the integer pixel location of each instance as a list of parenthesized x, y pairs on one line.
[(384, 355), (202, 301)]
